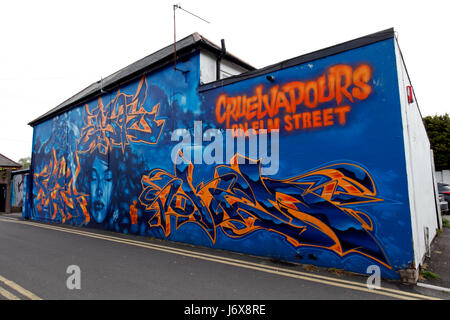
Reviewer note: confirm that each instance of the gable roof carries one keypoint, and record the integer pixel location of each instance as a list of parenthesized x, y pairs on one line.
[(6, 162), (156, 60), (187, 46)]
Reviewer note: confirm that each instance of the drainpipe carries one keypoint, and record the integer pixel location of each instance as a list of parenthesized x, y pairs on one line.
[(219, 59)]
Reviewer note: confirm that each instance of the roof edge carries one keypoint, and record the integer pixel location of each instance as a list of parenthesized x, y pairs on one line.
[(228, 56), (13, 164), (150, 63), (20, 171), (322, 53)]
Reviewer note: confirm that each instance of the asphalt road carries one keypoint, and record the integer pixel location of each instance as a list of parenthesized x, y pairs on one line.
[(34, 258)]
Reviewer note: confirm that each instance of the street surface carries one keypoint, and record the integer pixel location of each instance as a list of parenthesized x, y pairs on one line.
[(35, 257)]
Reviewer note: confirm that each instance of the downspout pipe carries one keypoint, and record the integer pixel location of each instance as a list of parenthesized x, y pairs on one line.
[(219, 59)]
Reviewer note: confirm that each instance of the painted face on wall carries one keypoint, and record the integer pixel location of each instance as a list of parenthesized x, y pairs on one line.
[(101, 185)]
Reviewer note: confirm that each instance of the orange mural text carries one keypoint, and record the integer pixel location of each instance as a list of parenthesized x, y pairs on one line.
[(297, 102)]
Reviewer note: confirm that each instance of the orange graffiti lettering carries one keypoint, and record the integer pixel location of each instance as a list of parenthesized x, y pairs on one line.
[(316, 119), (339, 83)]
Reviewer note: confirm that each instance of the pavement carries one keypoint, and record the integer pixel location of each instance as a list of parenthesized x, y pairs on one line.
[(437, 264)]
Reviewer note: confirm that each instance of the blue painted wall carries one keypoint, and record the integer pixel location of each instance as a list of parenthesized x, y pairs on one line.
[(339, 197)]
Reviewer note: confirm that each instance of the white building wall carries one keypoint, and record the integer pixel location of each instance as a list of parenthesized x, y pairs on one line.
[(443, 176), (446, 176), (419, 169), (208, 67)]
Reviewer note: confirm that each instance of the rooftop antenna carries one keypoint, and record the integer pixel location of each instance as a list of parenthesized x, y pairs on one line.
[(175, 7)]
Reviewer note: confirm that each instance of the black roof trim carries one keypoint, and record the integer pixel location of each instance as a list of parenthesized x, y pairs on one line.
[(23, 171), (345, 46), (152, 62)]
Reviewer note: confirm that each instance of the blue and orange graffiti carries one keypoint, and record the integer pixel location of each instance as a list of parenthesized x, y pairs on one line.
[(123, 120), (57, 195), (307, 210), (262, 110), (334, 212)]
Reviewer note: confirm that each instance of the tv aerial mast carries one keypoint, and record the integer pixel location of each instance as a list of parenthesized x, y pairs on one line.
[(175, 7)]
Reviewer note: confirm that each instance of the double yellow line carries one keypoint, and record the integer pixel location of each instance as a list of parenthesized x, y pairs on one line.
[(393, 293), (6, 286)]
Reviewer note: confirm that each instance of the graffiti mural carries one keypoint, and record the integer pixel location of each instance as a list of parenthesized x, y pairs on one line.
[(263, 109), (336, 200), (57, 195), (17, 190), (102, 150), (121, 121), (308, 210)]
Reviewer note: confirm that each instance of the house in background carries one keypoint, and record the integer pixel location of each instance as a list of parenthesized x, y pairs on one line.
[(6, 167)]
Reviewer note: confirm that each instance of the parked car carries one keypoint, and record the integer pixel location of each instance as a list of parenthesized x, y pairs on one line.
[(444, 204), (444, 189)]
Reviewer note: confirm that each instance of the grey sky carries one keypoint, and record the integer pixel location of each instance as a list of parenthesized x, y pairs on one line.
[(50, 50)]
